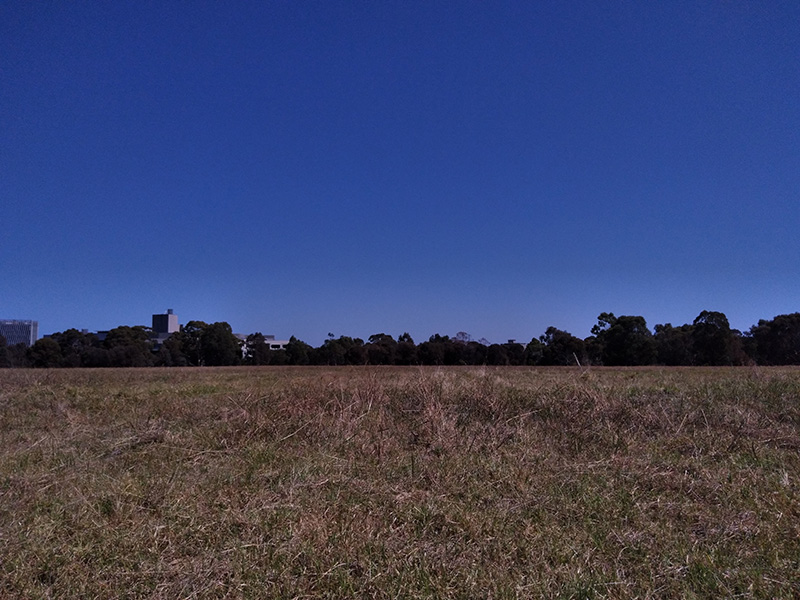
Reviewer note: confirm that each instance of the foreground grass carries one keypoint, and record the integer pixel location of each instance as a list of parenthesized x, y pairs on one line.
[(400, 483)]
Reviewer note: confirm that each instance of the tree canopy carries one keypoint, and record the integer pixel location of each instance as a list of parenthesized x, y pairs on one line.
[(614, 341)]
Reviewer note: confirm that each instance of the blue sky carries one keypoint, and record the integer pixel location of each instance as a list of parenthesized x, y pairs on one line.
[(299, 168)]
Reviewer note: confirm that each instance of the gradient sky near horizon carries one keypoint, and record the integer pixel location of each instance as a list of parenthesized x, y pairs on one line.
[(300, 168)]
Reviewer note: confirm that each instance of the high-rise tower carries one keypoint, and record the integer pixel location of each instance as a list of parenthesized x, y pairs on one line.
[(19, 332), (165, 324)]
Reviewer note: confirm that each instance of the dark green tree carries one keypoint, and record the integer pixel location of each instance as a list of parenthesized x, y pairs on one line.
[(355, 353), (278, 358), (515, 352), (777, 341), (190, 340), (79, 349), (5, 360), (534, 352), (332, 352), (674, 345), (129, 346), (45, 353), (624, 340), (340, 351), (406, 350), (170, 354), (713, 341), (562, 348), (257, 351), (496, 354), (456, 351), (17, 355), (297, 352), (381, 349), (473, 353), (219, 347), (432, 352), (594, 350)]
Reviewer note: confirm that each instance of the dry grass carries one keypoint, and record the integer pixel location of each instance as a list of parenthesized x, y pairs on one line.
[(400, 483)]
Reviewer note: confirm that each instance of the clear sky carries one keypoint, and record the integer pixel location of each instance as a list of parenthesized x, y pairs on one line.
[(300, 168)]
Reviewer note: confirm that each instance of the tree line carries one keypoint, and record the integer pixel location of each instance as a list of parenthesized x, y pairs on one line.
[(614, 341)]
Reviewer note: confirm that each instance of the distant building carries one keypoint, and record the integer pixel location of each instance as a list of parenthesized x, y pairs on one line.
[(269, 340), (166, 323), (19, 332), (164, 326), (275, 344)]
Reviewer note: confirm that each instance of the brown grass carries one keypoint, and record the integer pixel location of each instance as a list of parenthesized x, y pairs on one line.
[(400, 483)]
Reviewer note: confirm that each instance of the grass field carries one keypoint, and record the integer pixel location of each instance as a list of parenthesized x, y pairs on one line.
[(400, 483)]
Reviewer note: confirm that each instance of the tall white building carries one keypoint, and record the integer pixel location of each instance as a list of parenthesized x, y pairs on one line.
[(19, 332)]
